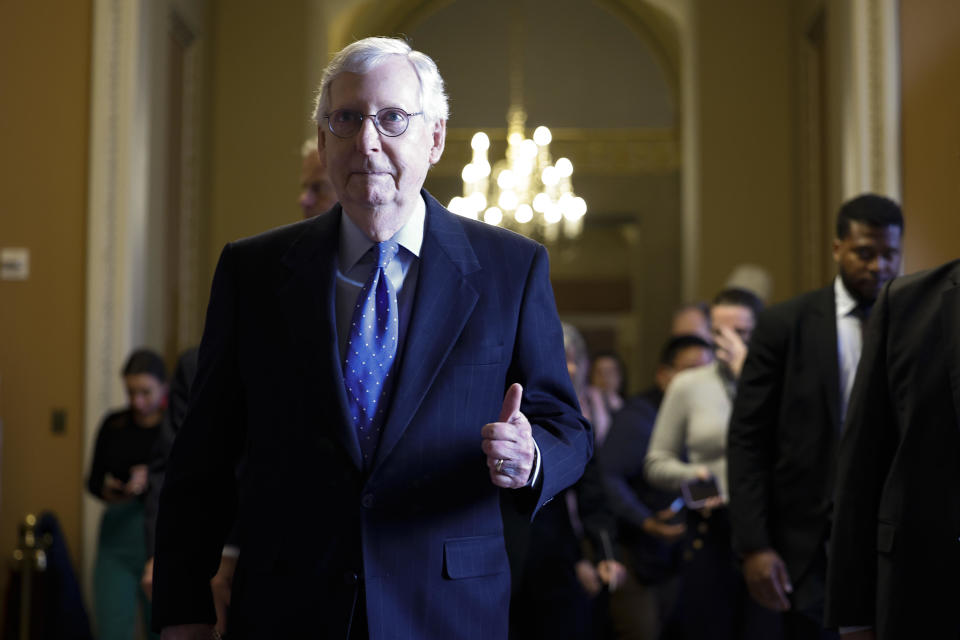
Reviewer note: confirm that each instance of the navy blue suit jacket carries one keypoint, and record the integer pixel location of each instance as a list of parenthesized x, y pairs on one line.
[(421, 528)]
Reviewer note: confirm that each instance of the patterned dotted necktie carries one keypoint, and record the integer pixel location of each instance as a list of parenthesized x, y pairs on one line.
[(371, 349)]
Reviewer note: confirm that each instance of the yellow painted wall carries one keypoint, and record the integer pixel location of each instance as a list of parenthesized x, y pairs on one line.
[(930, 99), (745, 117), (44, 126), (260, 102)]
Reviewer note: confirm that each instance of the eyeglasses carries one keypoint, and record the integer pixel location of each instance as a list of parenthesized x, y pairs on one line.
[(390, 121)]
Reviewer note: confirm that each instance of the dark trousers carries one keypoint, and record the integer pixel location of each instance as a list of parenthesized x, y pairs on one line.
[(805, 619), (714, 601)]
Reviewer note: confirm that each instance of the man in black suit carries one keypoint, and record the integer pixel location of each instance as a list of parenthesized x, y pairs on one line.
[(384, 368), (786, 418), (894, 552)]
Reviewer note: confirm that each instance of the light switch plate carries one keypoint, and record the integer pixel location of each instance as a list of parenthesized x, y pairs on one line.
[(14, 263)]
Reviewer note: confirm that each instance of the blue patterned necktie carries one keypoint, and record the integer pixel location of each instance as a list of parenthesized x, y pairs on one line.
[(371, 350)]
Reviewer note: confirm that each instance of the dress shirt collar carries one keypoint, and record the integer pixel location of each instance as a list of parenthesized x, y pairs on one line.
[(844, 302), (354, 243)]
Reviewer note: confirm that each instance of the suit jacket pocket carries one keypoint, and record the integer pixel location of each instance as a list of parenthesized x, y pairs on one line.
[(474, 556), (885, 535)]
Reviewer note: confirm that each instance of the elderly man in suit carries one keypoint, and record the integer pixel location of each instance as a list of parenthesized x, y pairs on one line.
[(786, 419), (387, 367), (894, 553)]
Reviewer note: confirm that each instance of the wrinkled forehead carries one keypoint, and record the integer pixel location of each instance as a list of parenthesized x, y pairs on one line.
[(391, 80)]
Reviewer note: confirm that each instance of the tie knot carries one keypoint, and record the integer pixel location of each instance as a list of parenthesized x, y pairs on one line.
[(862, 311), (384, 252)]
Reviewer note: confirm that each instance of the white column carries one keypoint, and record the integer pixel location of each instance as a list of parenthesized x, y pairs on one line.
[(871, 99)]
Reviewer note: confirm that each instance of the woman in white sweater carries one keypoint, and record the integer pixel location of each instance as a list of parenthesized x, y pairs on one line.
[(688, 444)]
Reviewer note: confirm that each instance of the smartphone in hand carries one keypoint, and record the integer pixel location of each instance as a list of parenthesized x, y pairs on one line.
[(696, 492)]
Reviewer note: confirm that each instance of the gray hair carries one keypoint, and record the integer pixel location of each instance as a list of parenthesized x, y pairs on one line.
[(363, 55)]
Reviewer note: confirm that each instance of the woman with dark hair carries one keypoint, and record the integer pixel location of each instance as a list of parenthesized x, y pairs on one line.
[(118, 476)]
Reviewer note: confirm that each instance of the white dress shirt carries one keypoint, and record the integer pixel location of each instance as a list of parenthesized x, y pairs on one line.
[(849, 341)]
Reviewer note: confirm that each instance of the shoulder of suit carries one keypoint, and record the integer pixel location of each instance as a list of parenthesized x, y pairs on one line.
[(482, 230), (281, 236), (803, 301), (946, 275), (788, 313)]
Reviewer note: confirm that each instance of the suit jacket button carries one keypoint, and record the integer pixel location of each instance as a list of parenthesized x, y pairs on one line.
[(350, 578), (367, 500)]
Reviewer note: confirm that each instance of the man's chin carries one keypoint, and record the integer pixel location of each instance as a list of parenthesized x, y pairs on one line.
[(374, 196), (869, 293)]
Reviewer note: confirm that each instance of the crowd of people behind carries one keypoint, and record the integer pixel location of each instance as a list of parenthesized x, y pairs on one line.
[(706, 511)]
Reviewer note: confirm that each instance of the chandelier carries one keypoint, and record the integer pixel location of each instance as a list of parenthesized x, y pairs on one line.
[(525, 191)]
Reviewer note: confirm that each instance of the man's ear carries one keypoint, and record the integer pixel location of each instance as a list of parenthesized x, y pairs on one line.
[(321, 139), (837, 248), (439, 138)]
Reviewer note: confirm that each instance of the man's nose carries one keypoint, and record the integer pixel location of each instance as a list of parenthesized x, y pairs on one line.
[(368, 138)]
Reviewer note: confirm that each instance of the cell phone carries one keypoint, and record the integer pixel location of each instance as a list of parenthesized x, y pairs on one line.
[(697, 492)]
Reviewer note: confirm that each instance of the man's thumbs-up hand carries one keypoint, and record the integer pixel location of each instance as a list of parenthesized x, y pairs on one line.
[(509, 443)]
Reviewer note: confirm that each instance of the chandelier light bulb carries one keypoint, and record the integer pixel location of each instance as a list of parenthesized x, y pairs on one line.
[(493, 216), (483, 169), (579, 208), (514, 138), (477, 202), (507, 179), (552, 215), (564, 167), (529, 149), (456, 205), (523, 214), (508, 200), (469, 173), (550, 176), (541, 202), (542, 136), (480, 141)]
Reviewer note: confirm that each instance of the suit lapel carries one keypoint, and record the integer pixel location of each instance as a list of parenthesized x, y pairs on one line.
[(443, 303), (828, 358), (950, 313), (308, 301)]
